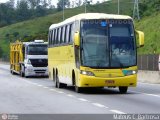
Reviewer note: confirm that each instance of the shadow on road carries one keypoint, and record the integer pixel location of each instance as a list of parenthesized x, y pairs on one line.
[(100, 91)]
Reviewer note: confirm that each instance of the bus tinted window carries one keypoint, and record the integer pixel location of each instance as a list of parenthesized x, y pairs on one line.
[(52, 36), (70, 33), (57, 38), (55, 33), (65, 35), (120, 31), (49, 37), (61, 34)]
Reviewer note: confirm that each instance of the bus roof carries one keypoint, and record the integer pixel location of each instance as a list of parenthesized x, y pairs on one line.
[(90, 16)]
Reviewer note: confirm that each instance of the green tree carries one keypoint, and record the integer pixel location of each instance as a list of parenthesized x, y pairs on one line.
[(79, 3), (63, 3), (23, 11), (34, 3)]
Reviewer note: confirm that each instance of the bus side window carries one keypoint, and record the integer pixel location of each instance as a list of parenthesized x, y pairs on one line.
[(61, 35), (65, 34), (57, 40), (50, 38), (54, 40), (70, 33)]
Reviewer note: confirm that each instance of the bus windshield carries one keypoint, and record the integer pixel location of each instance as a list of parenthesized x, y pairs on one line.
[(107, 45), (37, 49)]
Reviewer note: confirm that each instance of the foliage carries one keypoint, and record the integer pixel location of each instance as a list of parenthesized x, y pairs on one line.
[(63, 4), (24, 10)]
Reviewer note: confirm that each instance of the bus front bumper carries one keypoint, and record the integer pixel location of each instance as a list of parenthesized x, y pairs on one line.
[(92, 81)]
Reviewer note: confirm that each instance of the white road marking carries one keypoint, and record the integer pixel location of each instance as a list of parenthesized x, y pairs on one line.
[(149, 83), (99, 105), (52, 89), (39, 85), (60, 92), (46, 87), (34, 83), (69, 95), (117, 111), (154, 95), (82, 99)]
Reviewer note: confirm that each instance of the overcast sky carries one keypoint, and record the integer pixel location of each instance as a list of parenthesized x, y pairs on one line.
[(54, 2)]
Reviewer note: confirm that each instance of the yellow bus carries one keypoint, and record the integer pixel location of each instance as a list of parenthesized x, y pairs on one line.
[(94, 50)]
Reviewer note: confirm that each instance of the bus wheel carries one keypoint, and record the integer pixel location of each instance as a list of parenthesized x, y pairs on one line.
[(123, 89), (57, 83), (78, 89)]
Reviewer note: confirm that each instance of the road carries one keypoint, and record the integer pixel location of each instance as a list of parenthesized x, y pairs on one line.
[(39, 96)]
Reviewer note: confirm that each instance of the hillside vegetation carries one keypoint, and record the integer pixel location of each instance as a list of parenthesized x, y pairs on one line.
[(38, 27)]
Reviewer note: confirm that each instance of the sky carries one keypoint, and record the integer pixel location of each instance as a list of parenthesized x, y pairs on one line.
[(54, 2)]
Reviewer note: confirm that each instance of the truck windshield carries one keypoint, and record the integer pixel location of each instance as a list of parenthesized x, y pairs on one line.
[(37, 49), (107, 45)]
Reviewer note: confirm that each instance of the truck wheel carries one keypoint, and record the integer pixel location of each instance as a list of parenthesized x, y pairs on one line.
[(25, 74), (21, 73), (123, 89), (12, 72)]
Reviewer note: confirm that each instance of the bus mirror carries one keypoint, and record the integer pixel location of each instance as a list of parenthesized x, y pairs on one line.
[(77, 39), (140, 38)]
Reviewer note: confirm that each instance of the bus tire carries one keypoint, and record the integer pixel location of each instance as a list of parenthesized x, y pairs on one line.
[(123, 89), (54, 78), (58, 84), (78, 89)]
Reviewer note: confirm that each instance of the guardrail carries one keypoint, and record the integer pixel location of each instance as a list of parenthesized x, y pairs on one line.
[(148, 62)]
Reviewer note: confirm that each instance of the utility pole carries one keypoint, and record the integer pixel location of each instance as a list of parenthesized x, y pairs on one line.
[(136, 10), (63, 9), (118, 7), (85, 4)]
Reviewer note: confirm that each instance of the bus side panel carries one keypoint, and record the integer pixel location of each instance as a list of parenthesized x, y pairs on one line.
[(62, 58)]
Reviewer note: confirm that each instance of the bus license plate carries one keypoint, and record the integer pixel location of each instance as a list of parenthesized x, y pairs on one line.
[(109, 81)]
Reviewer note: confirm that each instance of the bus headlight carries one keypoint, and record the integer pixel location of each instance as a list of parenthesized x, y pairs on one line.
[(129, 72), (87, 73)]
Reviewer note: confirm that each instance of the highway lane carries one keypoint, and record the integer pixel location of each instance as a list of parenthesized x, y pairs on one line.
[(38, 95)]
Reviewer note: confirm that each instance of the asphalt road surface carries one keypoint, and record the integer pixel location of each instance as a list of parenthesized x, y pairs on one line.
[(39, 96)]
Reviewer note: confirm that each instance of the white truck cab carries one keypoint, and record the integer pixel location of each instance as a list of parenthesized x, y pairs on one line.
[(35, 59)]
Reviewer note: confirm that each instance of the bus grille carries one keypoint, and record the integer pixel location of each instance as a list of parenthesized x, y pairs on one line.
[(39, 62)]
